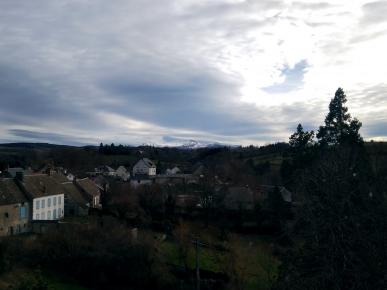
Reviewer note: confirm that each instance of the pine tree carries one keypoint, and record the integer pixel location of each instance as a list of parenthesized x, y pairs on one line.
[(301, 139), (339, 127)]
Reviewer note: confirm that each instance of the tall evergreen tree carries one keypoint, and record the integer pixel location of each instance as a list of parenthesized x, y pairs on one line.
[(339, 127)]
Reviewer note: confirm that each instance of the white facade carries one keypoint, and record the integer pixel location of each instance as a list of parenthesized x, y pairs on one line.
[(144, 167), (48, 207)]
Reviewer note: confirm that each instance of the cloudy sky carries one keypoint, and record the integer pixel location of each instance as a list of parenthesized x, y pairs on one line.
[(167, 71)]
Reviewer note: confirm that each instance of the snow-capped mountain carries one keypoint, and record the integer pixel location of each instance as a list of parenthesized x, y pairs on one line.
[(193, 144)]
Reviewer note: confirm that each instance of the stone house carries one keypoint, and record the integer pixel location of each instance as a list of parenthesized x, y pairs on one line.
[(45, 194), (90, 191), (14, 209)]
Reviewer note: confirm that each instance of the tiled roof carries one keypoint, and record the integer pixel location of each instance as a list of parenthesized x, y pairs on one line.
[(88, 186), (73, 193), (148, 162), (39, 185), (10, 193), (59, 177)]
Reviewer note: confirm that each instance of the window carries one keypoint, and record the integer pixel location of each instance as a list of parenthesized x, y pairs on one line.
[(54, 201), (37, 217), (54, 214), (43, 215), (6, 215), (43, 203), (59, 200), (23, 212), (49, 202), (37, 204), (49, 215)]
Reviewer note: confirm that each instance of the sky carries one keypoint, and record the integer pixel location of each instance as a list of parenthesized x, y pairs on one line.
[(168, 71)]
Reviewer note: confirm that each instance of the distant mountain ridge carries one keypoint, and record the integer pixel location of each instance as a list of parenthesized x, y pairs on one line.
[(193, 144)]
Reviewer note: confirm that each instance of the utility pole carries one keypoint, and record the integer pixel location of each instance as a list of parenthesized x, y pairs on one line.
[(197, 264)]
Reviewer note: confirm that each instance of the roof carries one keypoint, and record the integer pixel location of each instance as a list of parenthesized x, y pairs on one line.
[(10, 193), (149, 163), (59, 177), (39, 185), (101, 180), (200, 169), (104, 168), (88, 186), (109, 169), (122, 168), (73, 193)]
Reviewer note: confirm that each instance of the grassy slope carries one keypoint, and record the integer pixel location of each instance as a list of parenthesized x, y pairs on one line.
[(251, 257)]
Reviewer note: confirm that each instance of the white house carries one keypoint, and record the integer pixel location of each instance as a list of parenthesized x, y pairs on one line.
[(49, 207), (122, 173), (144, 167), (105, 170), (46, 196)]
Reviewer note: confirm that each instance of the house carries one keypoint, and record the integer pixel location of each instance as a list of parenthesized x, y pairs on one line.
[(173, 171), (14, 209), (122, 173), (144, 167), (90, 190), (105, 170), (75, 202), (102, 182), (45, 195), (80, 196)]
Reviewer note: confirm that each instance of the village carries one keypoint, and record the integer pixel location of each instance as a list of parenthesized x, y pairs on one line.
[(31, 202)]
